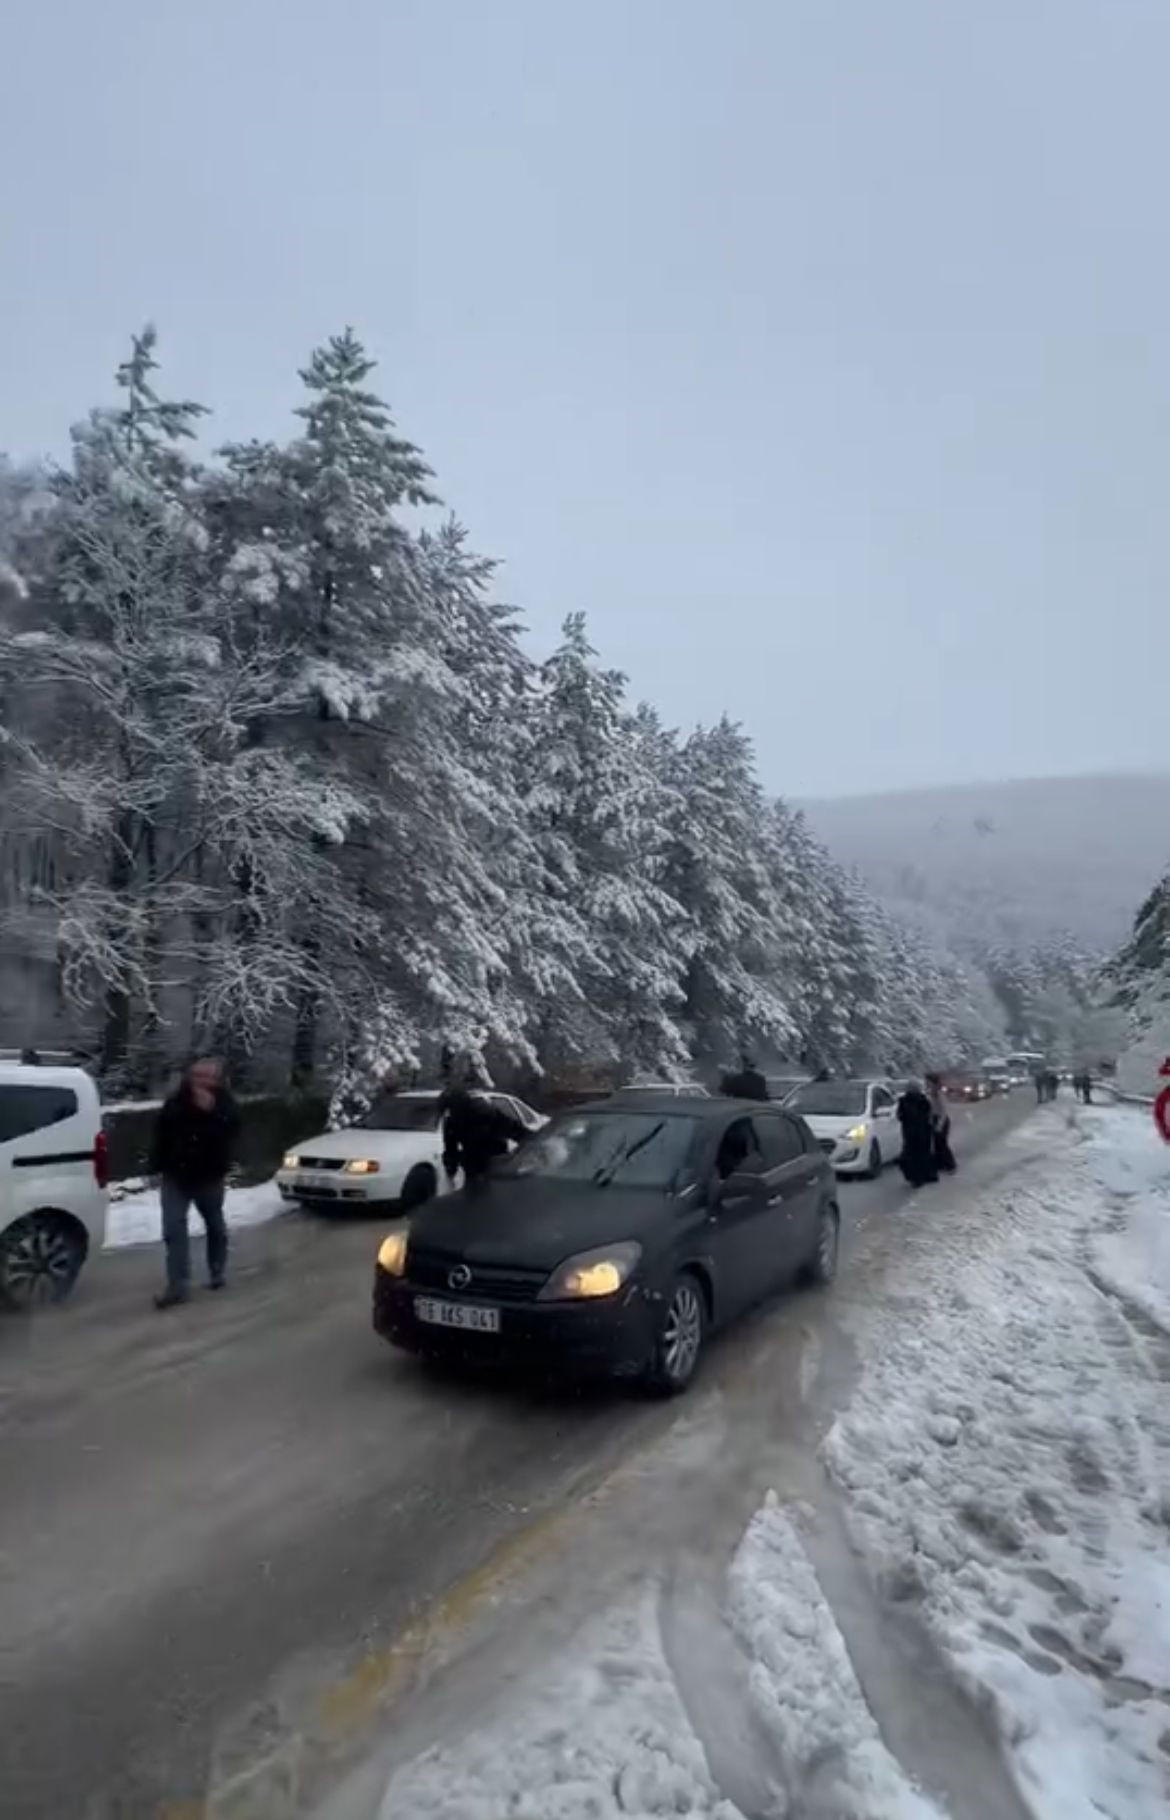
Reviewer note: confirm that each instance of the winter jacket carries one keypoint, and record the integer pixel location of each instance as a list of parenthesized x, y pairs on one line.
[(475, 1133), (748, 1084), (193, 1147)]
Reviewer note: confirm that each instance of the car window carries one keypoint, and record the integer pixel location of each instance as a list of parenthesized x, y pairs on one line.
[(515, 1109), (25, 1109), (780, 1139), (399, 1112), (829, 1099), (881, 1099), (739, 1150), (626, 1148)]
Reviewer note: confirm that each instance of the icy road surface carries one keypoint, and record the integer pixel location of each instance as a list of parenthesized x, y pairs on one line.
[(235, 1539)]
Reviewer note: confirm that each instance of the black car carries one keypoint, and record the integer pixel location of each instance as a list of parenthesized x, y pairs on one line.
[(614, 1239)]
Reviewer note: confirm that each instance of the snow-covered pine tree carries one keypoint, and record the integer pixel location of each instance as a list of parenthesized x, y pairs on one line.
[(600, 808), (735, 992), (136, 695)]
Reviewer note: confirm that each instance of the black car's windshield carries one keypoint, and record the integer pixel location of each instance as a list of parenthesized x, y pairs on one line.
[(831, 1099), (630, 1149), (401, 1113)]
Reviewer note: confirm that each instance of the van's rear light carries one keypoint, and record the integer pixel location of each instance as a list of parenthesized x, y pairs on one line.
[(101, 1160)]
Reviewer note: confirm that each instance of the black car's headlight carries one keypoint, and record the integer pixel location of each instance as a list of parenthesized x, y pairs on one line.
[(392, 1253), (592, 1273)]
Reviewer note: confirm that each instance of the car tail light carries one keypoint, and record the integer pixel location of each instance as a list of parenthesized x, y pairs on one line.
[(101, 1160)]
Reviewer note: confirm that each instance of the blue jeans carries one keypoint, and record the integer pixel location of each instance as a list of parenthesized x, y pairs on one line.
[(177, 1198)]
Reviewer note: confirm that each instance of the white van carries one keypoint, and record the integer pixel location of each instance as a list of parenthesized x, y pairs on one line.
[(53, 1175)]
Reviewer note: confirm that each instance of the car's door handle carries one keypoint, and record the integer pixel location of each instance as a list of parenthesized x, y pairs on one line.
[(775, 1199)]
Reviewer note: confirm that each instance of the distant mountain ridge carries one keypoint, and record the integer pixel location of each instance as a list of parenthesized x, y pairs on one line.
[(1016, 862)]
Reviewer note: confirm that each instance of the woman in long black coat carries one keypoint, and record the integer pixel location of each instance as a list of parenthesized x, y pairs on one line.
[(916, 1119), (944, 1156)]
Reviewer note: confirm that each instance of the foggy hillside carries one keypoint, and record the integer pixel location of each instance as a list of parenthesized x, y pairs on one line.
[(1010, 861)]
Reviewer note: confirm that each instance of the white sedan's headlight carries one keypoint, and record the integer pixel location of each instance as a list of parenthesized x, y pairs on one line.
[(361, 1165), (592, 1273), (291, 1160), (858, 1134)]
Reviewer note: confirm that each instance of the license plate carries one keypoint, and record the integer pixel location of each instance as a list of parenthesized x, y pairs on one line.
[(311, 1182), (456, 1314)]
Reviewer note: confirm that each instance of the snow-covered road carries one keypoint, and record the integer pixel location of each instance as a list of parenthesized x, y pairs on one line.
[(961, 1609), (900, 1552)]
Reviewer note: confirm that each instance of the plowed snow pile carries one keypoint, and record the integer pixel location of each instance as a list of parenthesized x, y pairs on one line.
[(1006, 1462)]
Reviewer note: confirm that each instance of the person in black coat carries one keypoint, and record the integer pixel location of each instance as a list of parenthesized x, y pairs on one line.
[(917, 1161), (944, 1156), (194, 1138), (475, 1134), (748, 1084)]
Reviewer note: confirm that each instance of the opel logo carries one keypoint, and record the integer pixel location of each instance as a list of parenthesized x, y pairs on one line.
[(458, 1278)]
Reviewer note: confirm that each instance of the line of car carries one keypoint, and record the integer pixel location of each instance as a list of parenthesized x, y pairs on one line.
[(613, 1240)]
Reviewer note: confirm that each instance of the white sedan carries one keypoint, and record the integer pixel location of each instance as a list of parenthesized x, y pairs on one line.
[(855, 1122), (394, 1156)]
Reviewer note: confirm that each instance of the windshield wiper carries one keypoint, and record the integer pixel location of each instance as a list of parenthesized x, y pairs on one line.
[(604, 1175)]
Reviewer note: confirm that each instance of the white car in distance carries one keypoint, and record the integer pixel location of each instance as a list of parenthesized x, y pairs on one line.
[(855, 1123), (393, 1158)]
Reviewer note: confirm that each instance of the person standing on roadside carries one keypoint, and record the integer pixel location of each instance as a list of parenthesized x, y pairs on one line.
[(194, 1138), (940, 1119), (914, 1115)]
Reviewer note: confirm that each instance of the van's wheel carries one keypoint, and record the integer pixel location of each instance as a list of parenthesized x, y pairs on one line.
[(821, 1267), (874, 1166), (419, 1186), (681, 1333), (40, 1260)]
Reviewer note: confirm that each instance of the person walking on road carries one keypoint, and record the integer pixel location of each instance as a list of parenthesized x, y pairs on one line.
[(940, 1120), (194, 1137), (914, 1115), (475, 1134)]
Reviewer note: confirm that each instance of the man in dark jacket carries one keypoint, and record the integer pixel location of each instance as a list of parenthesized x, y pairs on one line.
[(475, 1133), (748, 1084), (192, 1152)]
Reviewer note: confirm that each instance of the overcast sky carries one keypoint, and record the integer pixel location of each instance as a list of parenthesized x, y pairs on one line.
[(817, 349)]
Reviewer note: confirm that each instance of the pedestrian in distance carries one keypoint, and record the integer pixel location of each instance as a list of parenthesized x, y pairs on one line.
[(194, 1138), (475, 1134), (1041, 1082), (940, 1119), (747, 1084), (917, 1161)]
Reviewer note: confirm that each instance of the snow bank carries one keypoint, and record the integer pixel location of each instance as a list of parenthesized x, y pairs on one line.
[(831, 1757), (136, 1217), (607, 1736), (1006, 1461), (603, 1734)]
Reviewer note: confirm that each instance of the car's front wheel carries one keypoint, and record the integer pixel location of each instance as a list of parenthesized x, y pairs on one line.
[(40, 1259), (419, 1186), (681, 1336), (873, 1166), (822, 1264)]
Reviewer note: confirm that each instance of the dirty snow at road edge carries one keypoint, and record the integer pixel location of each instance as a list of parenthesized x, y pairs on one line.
[(1006, 1459)]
